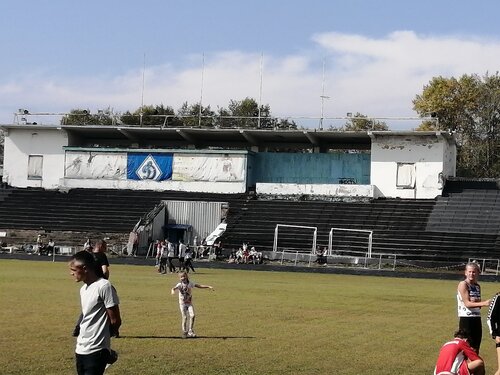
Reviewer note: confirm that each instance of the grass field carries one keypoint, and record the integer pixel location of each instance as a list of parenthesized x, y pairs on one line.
[(254, 322)]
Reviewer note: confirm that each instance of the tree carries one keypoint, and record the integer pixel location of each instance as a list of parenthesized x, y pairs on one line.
[(248, 111), (158, 115), (470, 107), (247, 116), (360, 122), (191, 115), (84, 117)]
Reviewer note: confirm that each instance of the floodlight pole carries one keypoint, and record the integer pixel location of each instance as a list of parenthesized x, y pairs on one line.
[(260, 89), (201, 91), (142, 93), (323, 97)]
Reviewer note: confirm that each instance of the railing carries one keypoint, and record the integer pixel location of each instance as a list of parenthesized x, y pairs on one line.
[(487, 266), (108, 117), (362, 259)]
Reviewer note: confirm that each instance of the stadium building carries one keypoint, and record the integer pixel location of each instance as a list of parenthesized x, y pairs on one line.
[(374, 192), (285, 162)]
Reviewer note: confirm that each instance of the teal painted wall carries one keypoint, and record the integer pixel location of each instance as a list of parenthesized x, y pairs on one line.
[(298, 168)]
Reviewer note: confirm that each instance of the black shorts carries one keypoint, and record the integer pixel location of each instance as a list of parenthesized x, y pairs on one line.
[(474, 329)]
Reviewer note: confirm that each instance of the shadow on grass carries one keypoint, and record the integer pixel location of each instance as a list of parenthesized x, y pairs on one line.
[(181, 338)]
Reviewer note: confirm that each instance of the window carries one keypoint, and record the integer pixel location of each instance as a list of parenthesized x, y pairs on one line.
[(405, 178), (35, 166)]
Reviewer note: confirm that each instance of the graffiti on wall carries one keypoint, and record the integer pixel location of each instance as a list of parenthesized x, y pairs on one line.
[(93, 165), (212, 168)]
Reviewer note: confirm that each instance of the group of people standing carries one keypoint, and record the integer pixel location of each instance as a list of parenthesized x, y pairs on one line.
[(166, 253), (461, 355)]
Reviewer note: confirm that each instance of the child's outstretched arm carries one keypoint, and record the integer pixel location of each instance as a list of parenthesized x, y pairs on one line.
[(204, 286), (172, 291)]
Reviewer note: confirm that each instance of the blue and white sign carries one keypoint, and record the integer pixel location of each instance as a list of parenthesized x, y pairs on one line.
[(153, 167)]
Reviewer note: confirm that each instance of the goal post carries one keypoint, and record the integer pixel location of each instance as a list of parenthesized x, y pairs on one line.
[(369, 234), (276, 235)]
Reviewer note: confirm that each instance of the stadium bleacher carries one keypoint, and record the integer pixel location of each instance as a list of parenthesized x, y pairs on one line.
[(463, 223)]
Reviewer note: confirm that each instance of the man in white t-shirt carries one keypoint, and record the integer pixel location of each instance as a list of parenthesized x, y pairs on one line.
[(100, 316)]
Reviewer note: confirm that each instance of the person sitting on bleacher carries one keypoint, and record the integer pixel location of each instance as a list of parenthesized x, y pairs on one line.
[(232, 257), (239, 256), (321, 256), (255, 256)]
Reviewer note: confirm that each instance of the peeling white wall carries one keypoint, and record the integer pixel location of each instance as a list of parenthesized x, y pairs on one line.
[(210, 168), (312, 189), (426, 152), (20, 143), (95, 165)]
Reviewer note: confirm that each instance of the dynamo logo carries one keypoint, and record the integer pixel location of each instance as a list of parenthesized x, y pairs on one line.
[(149, 169)]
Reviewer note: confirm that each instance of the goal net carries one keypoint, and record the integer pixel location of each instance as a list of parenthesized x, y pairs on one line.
[(294, 242), (350, 242)]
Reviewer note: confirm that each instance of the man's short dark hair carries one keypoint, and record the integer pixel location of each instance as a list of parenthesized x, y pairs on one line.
[(462, 334), (86, 259)]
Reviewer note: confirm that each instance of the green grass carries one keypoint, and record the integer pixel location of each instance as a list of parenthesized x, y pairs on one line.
[(254, 323)]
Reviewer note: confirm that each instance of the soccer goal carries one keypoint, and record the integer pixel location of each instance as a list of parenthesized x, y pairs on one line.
[(294, 241), (361, 239)]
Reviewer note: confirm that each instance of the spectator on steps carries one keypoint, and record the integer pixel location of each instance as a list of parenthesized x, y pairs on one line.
[(321, 256), (255, 256)]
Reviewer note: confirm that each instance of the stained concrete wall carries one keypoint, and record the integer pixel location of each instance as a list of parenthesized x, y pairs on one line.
[(431, 158), (21, 143)]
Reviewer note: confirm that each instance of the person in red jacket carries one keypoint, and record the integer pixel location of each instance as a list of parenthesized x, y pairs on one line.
[(457, 357)]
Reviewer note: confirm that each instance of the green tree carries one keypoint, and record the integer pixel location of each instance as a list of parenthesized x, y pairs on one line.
[(284, 123), (158, 115), (360, 122), (245, 114), (248, 111), (469, 106), (192, 117), (84, 117)]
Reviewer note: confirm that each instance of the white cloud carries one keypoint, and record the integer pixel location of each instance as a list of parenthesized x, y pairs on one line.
[(374, 76)]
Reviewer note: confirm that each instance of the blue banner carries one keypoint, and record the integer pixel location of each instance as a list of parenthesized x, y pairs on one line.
[(146, 166)]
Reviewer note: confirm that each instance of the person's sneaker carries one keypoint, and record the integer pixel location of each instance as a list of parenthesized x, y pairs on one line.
[(191, 334), (184, 335), (113, 357)]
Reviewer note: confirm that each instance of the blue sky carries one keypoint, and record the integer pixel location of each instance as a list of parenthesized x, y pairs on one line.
[(59, 55)]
